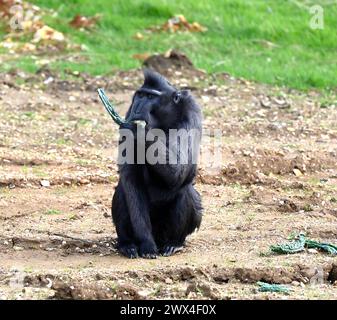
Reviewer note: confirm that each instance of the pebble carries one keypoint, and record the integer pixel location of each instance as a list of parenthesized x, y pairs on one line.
[(45, 183)]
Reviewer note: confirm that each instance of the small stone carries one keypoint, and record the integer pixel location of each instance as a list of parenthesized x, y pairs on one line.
[(17, 248), (168, 281), (144, 293), (205, 99), (45, 183), (295, 283), (48, 80), (72, 99), (312, 251), (297, 173)]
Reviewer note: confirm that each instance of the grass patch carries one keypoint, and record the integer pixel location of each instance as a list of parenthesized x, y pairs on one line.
[(265, 41), (52, 212)]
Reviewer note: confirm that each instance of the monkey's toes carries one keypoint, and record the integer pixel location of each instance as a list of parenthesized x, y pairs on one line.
[(148, 250), (129, 251), (170, 250), (149, 256)]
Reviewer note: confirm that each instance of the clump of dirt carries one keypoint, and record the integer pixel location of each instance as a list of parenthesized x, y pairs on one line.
[(170, 62), (286, 205), (78, 291), (204, 289), (258, 166), (333, 274)]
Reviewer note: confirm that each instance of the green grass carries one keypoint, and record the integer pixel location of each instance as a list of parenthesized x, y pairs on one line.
[(235, 42), (52, 212)]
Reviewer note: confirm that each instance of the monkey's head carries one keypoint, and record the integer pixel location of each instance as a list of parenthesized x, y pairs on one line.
[(159, 103)]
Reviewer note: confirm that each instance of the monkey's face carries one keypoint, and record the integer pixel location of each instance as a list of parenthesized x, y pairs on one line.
[(157, 103)]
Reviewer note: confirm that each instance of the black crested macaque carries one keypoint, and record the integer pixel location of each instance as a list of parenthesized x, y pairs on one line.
[(155, 206)]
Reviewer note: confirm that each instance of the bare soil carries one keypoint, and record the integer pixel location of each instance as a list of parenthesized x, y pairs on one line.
[(278, 176)]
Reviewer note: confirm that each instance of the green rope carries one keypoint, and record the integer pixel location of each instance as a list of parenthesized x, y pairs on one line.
[(267, 287), (300, 243), (109, 107)]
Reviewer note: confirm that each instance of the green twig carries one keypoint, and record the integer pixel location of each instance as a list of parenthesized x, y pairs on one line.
[(109, 107)]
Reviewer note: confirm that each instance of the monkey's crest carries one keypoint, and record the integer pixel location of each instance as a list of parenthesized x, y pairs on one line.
[(156, 81)]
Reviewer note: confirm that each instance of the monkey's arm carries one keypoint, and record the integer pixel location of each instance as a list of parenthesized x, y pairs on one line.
[(178, 164)]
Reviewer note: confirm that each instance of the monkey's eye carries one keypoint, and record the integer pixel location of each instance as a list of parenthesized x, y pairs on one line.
[(140, 94), (177, 97), (149, 96)]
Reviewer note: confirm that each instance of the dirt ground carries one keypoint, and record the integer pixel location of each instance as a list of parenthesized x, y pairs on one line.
[(58, 172)]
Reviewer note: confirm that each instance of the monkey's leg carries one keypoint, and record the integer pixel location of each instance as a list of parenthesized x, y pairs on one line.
[(120, 216), (184, 218), (138, 207)]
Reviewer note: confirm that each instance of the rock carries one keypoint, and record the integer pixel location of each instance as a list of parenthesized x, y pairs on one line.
[(45, 183), (297, 173), (168, 281), (143, 294), (296, 283)]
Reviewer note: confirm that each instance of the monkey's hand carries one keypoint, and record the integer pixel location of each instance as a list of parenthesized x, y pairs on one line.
[(137, 128)]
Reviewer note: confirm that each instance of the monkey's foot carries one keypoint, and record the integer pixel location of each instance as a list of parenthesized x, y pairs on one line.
[(169, 250), (129, 251), (148, 250)]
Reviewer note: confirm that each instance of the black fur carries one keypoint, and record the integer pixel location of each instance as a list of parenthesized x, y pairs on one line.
[(156, 206)]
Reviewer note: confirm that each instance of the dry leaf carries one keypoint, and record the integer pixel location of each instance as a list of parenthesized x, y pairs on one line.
[(79, 21), (28, 47), (48, 34), (141, 56), (138, 36), (5, 6), (179, 23)]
